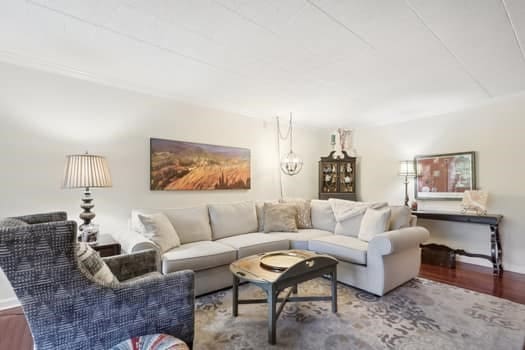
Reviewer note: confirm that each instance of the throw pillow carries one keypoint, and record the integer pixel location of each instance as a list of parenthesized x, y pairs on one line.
[(304, 215), (280, 217), (374, 221), (92, 263), (158, 228), (400, 217), (12, 222)]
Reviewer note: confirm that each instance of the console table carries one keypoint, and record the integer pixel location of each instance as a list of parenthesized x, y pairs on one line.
[(491, 220)]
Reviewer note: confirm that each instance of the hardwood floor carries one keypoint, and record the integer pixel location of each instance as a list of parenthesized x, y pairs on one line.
[(14, 333), (509, 286)]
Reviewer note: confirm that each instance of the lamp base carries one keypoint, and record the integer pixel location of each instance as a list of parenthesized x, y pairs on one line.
[(87, 215)]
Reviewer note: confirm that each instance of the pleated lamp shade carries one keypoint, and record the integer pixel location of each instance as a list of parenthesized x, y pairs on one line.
[(86, 170)]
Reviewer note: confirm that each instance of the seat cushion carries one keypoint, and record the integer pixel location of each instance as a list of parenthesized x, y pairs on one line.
[(300, 239), (152, 342), (255, 243), (349, 249), (198, 256), (232, 219)]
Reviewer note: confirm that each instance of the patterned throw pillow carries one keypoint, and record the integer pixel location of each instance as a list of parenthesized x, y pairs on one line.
[(304, 212), (92, 263), (280, 217), (152, 342)]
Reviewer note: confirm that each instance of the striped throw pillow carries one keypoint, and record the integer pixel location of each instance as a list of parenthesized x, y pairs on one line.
[(152, 342)]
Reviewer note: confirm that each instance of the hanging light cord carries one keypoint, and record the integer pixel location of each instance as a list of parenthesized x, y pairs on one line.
[(280, 137)]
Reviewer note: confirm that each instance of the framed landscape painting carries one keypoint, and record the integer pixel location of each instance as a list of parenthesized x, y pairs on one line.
[(183, 166), (445, 176)]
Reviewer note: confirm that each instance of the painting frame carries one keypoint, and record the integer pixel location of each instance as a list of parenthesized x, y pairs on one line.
[(463, 179), (203, 161)]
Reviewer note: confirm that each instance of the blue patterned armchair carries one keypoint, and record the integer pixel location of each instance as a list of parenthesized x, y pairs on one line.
[(66, 309)]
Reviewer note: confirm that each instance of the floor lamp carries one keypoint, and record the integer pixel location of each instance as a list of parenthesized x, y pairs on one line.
[(407, 169)]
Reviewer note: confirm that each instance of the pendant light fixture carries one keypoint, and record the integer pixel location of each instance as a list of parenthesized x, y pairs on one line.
[(291, 164)]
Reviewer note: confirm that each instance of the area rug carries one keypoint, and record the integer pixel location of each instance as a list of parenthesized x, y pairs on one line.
[(421, 314)]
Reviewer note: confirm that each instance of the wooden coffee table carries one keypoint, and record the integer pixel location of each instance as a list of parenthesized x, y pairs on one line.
[(278, 271)]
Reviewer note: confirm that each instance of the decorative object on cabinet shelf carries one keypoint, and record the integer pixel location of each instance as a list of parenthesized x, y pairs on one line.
[(445, 176), (337, 176), (475, 201), (87, 171), (407, 169), (291, 164)]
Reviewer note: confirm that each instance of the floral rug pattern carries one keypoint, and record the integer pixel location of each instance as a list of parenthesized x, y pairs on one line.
[(421, 314)]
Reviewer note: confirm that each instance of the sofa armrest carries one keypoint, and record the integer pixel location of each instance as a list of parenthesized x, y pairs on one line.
[(412, 222), (132, 242), (398, 240), (133, 265)]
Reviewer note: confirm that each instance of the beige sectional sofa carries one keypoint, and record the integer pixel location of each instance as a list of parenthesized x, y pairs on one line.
[(213, 236)]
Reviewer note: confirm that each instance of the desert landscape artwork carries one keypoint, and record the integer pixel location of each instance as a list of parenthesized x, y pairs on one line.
[(180, 165)]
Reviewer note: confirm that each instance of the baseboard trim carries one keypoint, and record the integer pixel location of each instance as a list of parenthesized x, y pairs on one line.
[(9, 303), (486, 263)]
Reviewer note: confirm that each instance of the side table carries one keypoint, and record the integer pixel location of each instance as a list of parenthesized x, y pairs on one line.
[(107, 246)]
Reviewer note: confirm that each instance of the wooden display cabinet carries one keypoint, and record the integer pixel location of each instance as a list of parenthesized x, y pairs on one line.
[(337, 177)]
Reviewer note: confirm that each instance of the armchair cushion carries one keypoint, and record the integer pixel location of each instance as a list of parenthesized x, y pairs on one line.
[(128, 266), (392, 242)]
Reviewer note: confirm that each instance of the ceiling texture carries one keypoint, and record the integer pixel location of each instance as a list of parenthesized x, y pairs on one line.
[(348, 63)]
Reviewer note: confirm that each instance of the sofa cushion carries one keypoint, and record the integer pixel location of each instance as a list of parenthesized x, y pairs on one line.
[(322, 215), (375, 221), (349, 226), (159, 230), (300, 239), (191, 224), (349, 249), (197, 256), (259, 208), (280, 217), (399, 217), (304, 213), (255, 243), (232, 219)]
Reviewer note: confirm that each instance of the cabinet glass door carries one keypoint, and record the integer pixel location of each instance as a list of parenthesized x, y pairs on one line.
[(329, 177), (346, 177)]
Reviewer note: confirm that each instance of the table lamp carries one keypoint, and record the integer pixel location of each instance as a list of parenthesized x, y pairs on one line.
[(407, 169), (86, 171)]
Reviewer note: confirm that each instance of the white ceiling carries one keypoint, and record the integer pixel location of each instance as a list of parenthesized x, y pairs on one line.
[(331, 62)]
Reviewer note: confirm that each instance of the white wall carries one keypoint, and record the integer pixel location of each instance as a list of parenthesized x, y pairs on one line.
[(45, 117), (496, 132)]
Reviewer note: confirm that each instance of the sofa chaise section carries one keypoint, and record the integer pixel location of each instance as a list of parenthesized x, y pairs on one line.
[(387, 261)]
